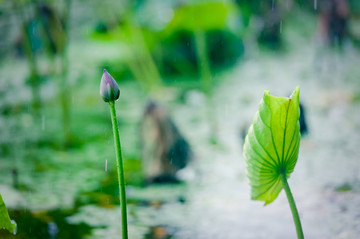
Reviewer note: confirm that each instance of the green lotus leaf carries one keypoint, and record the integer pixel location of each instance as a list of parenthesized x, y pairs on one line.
[(202, 16), (272, 145), (5, 221)]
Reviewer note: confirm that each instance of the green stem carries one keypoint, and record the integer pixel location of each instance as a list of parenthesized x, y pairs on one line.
[(203, 62), (294, 211), (205, 76), (120, 171), (65, 92)]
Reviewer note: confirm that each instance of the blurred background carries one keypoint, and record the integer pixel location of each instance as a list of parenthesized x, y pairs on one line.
[(191, 74)]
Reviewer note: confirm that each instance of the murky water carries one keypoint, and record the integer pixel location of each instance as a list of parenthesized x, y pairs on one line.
[(214, 199)]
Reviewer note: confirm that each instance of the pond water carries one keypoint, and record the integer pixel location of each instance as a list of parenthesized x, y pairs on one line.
[(69, 194)]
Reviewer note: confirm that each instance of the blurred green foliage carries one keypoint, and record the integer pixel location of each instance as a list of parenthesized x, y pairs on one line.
[(173, 45)]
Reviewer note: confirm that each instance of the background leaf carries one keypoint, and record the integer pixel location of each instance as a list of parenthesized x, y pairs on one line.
[(272, 145), (5, 221)]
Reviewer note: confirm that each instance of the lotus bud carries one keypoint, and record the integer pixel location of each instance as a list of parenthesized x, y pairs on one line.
[(109, 89)]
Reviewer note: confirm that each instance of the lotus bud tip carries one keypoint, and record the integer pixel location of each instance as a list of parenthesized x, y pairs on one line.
[(109, 89)]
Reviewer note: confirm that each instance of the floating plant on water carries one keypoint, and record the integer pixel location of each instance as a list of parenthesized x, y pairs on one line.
[(271, 150), (5, 222), (110, 92)]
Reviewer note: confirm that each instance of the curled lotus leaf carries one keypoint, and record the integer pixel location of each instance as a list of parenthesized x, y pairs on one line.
[(271, 146)]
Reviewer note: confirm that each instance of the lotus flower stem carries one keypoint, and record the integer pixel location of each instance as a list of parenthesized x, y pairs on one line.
[(205, 76), (120, 171), (294, 211), (110, 92)]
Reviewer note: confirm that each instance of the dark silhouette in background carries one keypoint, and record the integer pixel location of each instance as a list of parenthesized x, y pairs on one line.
[(164, 149), (333, 18), (302, 121)]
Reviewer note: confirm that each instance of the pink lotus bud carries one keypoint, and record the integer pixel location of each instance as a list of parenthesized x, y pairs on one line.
[(109, 89)]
